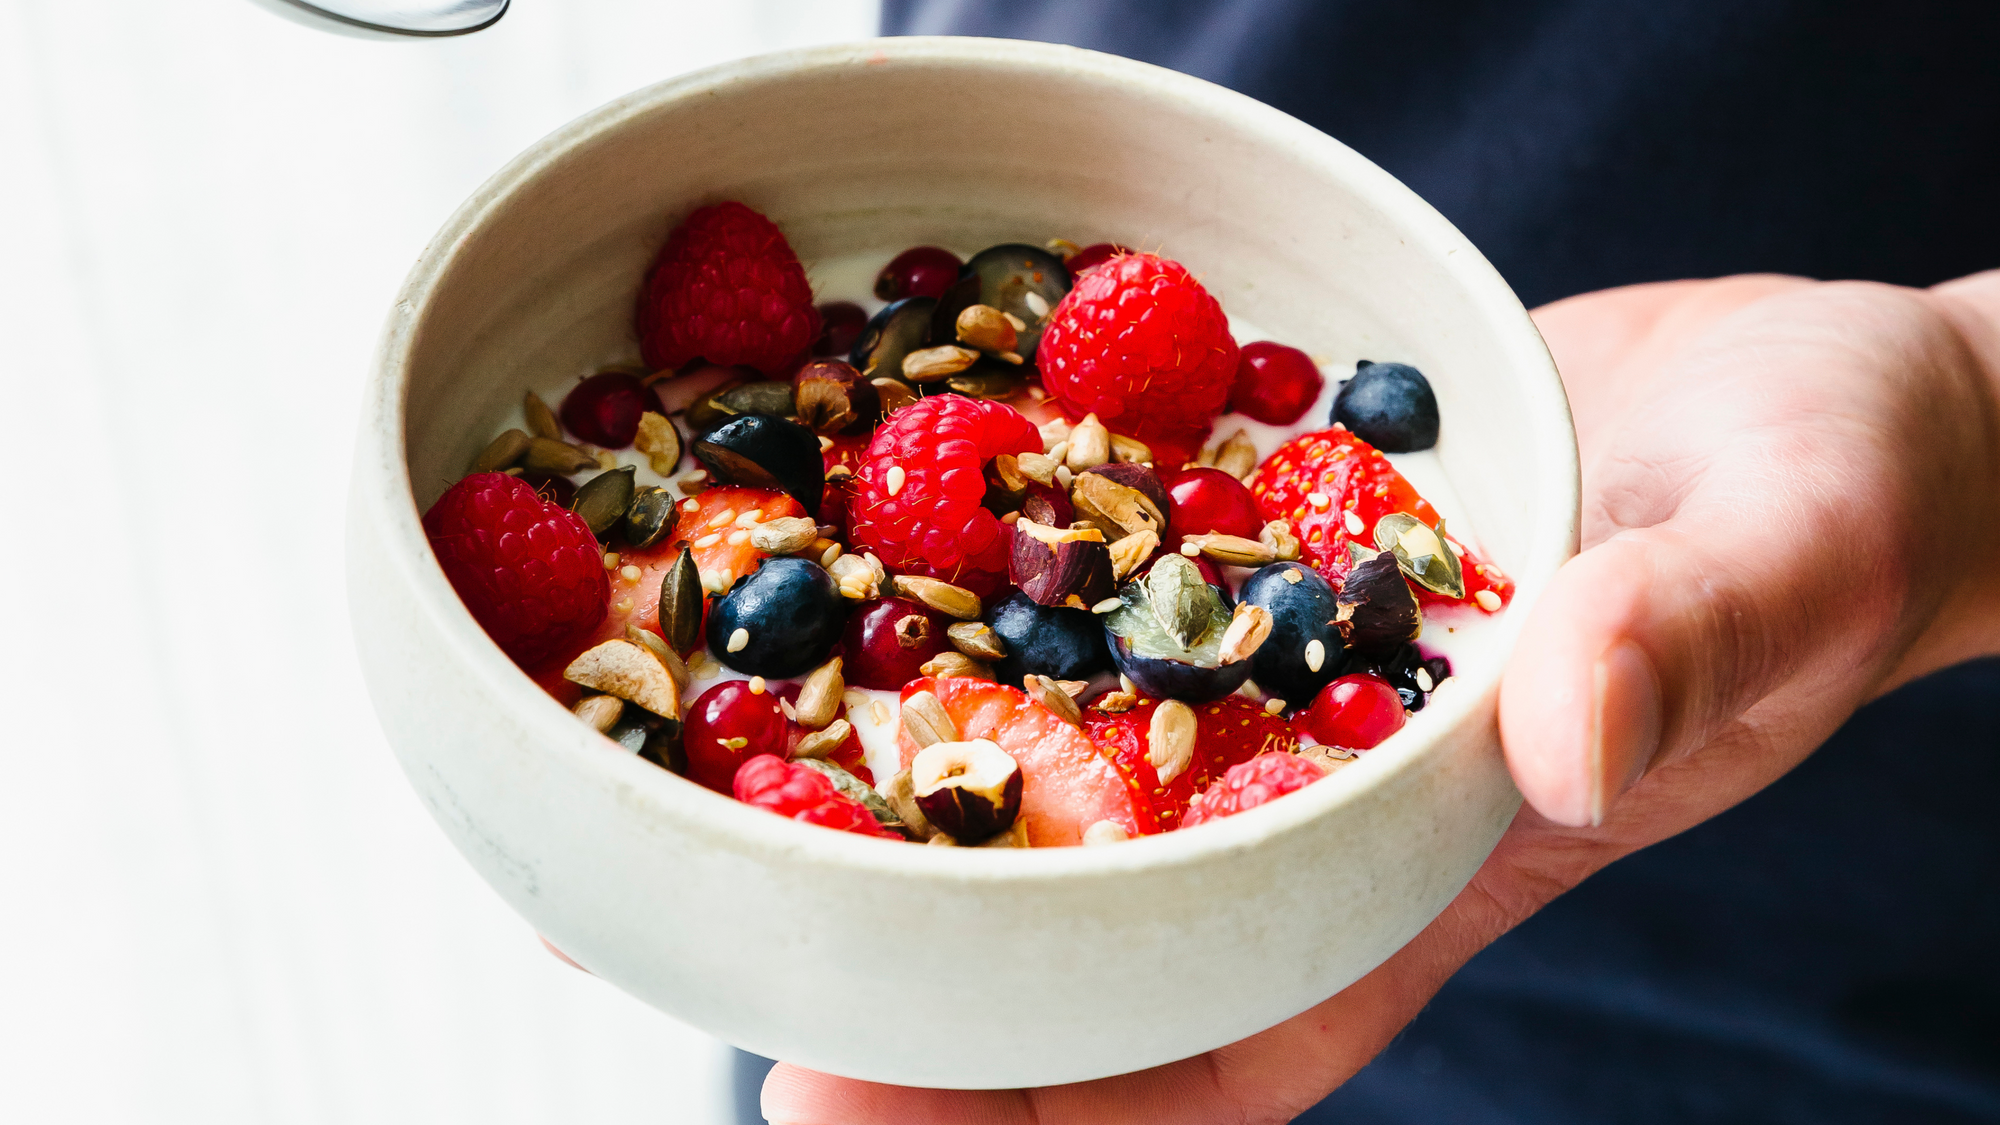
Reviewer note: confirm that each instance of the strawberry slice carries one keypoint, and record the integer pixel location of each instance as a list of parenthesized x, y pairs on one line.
[(1066, 785), (1318, 480), (1228, 731)]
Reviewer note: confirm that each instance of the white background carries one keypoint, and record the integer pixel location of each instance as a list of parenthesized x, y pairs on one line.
[(219, 902)]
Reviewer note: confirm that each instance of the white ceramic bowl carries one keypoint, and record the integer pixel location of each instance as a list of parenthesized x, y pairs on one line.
[(930, 966)]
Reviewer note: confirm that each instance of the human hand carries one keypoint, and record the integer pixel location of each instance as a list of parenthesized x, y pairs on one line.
[(1791, 505)]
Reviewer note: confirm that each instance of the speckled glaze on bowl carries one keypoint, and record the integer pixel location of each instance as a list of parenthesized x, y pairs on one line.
[(932, 966)]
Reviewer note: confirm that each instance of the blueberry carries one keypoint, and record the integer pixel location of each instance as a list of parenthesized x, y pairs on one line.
[(782, 619), (1160, 663), (894, 332), (1302, 611), (1400, 669), (765, 452), (1063, 644), (1013, 277), (1390, 406)]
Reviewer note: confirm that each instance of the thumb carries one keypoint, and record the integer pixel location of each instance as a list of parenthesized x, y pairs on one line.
[(1649, 640)]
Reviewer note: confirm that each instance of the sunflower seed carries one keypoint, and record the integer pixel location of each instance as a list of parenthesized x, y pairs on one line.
[(927, 720), (1050, 695), (1170, 739), (986, 328), (955, 601), (819, 695), (954, 665), (501, 453), (549, 457), (1238, 455), (541, 420), (1249, 628), (977, 640), (1105, 832), (1234, 550), (895, 393), (1038, 467), (928, 365), (901, 796), (1278, 536), (1128, 553), (1089, 445), (659, 441), (786, 536), (824, 741)]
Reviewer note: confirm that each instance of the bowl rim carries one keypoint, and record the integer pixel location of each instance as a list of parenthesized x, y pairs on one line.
[(384, 496)]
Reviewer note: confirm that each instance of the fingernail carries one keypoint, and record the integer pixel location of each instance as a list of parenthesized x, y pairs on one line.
[(1624, 724)]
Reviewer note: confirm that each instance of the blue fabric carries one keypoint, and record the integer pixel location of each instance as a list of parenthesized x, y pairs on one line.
[(1828, 951)]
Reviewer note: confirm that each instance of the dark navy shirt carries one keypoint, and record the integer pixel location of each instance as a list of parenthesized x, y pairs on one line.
[(1828, 951)]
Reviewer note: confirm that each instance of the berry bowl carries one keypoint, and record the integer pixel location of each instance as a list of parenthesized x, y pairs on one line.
[(942, 966)]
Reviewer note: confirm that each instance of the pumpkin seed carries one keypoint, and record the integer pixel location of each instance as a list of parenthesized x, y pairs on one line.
[(856, 788), (680, 603), (603, 499), (767, 397), (541, 420), (1421, 553), (649, 517), (549, 457), (986, 383), (1180, 598), (501, 453)]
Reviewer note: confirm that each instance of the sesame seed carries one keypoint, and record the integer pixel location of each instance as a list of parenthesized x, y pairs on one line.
[(1125, 683), (1011, 518), (720, 518), (757, 685), (624, 605), (739, 640), (895, 479), (1037, 304), (825, 443), (629, 572), (1424, 680), (1273, 706), (1106, 606), (1315, 654), (1354, 524), (1293, 576), (1190, 550), (709, 540), (1488, 601), (1319, 500)]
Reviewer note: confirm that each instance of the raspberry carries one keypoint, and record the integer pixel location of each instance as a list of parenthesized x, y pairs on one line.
[(1333, 488), (803, 794), (727, 288), (916, 499), (1142, 345), (530, 571), (1258, 781)]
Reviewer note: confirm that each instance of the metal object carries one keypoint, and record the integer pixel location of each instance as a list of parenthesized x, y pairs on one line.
[(391, 19)]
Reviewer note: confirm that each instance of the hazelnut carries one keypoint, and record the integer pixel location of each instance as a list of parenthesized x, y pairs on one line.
[(969, 790), (832, 397), (1059, 566), (1375, 609)]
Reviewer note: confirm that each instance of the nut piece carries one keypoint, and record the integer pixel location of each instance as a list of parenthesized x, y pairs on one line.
[(549, 457), (599, 712), (648, 640), (969, 790), (925, 718), (902, 798), (819, 695), (820, 743), (1105, 832), (1060, 566), (501, 453), (1115, 702), (986, 328), (1238, 455), (541, 420), (1278, 536), (831, 397), (1120, 500), (1249, 628), (786, 536), (659, 441), (977, 640), (1089, 445), (1130, 450), (956, 665), (1234, 550), (928, 365), (1051, 695), (629, 672), (1038, 467), (953, 601), (1170, 739), (1131, 552), (1375, 608)]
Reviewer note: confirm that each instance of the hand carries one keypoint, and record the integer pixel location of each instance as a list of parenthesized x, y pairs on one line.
[(1791, 505)]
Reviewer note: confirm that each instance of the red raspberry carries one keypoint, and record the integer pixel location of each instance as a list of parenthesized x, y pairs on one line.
[(1317, 479), (1142, 345), (1262, 779), (530, 571), (916, 499), (727, 288), (804, 794)]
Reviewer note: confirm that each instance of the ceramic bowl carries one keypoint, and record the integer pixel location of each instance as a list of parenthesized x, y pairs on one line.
[(904, 964)]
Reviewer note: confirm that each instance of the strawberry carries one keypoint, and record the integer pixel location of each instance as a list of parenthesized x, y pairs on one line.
[(1066, 785), (1227, 732), (1259, 781), (1319, 480)]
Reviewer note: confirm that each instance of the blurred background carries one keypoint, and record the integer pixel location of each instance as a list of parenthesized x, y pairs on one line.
[(221, 901)]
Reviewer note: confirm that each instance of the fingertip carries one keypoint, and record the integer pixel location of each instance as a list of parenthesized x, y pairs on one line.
[(794, 1095)]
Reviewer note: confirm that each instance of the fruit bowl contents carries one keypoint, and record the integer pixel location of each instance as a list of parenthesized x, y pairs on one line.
[(1027, 550)]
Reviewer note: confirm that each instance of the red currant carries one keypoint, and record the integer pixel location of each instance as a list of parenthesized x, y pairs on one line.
[(1354, 712), (604, 409), (841, 323), (730, 724), (888, 642), (921, 271), (1209, 502), (1275, 384), (1095, 254)]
